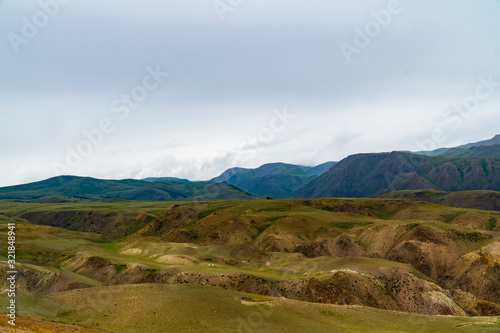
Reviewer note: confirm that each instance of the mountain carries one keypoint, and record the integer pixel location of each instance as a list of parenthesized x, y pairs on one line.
[(366, 175), (275, 180), (320, 169), (166, 179), (69, 188), (452, 152), (226, 175), (494, 141), (435, 152), (474, 151)]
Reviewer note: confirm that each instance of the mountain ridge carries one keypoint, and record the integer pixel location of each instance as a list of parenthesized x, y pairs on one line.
[(276, 180), (440, 151), (469, 167), (364, 175), (63, 188)]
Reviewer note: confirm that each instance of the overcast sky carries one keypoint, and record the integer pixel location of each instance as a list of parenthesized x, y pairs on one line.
[(190, 88)]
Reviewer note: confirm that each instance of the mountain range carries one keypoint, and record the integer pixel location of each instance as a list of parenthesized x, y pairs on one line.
[(422, 255), (365, 175), (275, 180), (473, 166), (76, 189), (470, 167), (442, 151)]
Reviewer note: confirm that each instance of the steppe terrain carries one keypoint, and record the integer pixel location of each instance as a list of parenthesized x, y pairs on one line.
[(291, 265)]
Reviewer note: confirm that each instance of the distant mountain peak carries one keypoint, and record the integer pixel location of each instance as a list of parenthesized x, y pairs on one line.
[(443, 151), (490, 142), (362, 175), (276, 180), (65, 188)]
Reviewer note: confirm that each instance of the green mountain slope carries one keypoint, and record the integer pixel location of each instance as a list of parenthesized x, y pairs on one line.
[(493, 141), (70, 187), (276, 180), (458, 151), (374, 174), (166, 179), (476, 151)]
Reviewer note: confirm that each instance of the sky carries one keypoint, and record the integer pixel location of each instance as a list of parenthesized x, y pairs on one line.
[(132, 89)]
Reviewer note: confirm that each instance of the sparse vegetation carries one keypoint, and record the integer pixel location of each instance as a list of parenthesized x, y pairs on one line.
[(468, 236), (448, 218), (359, 251), (492, 223)]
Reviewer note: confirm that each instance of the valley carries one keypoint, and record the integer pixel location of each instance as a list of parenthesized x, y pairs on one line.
[(379, 242), (250, 166)]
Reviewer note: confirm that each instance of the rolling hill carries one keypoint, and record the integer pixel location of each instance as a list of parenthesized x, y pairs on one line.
[(322, 265), (71, 188), (275, 180), (485, 200)]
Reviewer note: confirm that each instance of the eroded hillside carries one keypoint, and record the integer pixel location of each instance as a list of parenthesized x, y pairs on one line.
[(387, 254)]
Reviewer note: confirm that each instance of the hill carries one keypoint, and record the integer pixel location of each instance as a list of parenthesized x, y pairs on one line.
[(323, 264), (365, 175), (485, 200), (71, 188), (275, 180)]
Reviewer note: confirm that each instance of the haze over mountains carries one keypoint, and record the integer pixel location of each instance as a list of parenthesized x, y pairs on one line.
[(470, 167)]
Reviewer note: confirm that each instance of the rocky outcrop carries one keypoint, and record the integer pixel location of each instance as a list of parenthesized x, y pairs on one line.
[(474, 306)]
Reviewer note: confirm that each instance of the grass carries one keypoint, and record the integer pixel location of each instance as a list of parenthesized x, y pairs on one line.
[(172, 308), (204, 214), (468, 236), (448, 218), (492, 223), (347, 225), (178, 308)]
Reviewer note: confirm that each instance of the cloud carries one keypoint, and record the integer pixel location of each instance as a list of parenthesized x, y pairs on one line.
[(227, 77)]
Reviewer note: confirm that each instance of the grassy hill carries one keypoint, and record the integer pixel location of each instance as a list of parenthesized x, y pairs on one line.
[(325, 264), (486, 200), (178, 308), (77, 189), (275, 180)]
